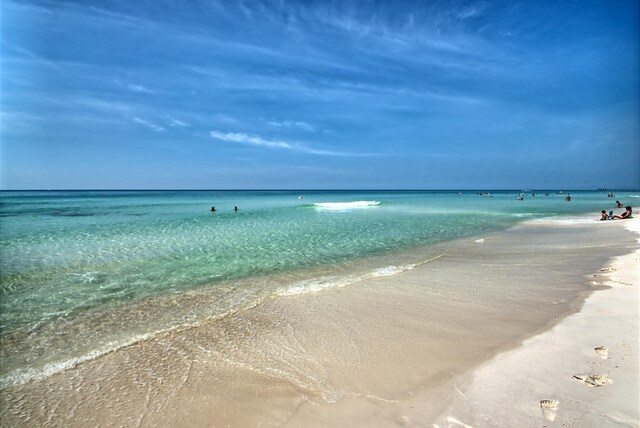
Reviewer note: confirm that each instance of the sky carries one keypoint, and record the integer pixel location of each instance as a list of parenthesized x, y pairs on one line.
[(214, 94)]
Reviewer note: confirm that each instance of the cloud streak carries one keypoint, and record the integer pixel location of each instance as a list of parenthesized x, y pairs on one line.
[(173, 122), (152, 126), (293, 124), (140, 88), (255, 140)]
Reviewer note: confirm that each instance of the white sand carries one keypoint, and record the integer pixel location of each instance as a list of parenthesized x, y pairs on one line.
[(506, 391), (389, 351)]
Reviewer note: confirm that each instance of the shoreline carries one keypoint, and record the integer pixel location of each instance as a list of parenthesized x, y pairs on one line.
[(339, 274), (563, 363), (314, 359)]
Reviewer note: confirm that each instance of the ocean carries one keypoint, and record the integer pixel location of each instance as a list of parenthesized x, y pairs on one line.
[(84, 273)]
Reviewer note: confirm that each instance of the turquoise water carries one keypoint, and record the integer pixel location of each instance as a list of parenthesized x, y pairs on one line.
[(78, 257)]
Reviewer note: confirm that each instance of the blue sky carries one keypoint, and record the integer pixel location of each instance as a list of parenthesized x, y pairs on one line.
[(300, 94)]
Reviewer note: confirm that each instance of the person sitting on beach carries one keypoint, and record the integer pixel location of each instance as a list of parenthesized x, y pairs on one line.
[(626, 214), (604, 215), (619, 204)]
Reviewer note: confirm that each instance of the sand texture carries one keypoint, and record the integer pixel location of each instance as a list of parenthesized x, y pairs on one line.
[(478, 335), (588, 364)]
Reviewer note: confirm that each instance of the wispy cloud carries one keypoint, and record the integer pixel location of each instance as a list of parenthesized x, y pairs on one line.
[(152, 126), (17, 120), (255, 140), (173, 122), (293, 124), (140, 88), (224, 118), (472, 10), (107, 106), (27, 55), (236, 137)]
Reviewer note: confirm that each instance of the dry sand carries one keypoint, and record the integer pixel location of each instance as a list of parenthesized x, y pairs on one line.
[(562, 364)]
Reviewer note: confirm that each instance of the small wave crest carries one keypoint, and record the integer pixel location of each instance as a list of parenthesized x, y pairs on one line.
[(567, 220), (318, 284), (315, 285), (342, 206), (22, 376)]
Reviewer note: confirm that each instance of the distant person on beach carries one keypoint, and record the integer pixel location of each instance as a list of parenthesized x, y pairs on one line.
[(235, 209), (626, 214), (619, 204), (567, 198), (213, 209), (604, 215)]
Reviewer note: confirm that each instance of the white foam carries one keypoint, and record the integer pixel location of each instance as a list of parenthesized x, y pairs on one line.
[(315, 285), (342, 206), (568, 220), (392, 270), (22, 376)]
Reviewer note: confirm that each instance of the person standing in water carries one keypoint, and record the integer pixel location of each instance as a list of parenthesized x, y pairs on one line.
[(235, 209)]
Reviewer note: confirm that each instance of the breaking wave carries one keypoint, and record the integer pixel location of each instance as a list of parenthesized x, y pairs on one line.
[(343, 206)]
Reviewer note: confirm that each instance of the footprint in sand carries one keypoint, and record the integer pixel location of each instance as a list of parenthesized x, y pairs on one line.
[(549, 409), (607, 269), (599, 379), (594, 380), (602, 352)]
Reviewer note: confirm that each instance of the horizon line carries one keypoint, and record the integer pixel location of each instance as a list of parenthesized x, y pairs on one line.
[(618, 189)]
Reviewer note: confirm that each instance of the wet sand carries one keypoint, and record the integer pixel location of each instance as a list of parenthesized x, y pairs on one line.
[(386, 351), (588, 364)]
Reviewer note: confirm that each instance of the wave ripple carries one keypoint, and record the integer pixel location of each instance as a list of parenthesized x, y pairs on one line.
[(343, 206)]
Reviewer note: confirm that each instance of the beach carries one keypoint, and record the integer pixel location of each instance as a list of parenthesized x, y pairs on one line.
[(476, 330), (556, 364), (319, 214)]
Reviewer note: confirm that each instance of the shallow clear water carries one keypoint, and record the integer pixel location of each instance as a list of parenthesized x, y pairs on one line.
[(73, 262)]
